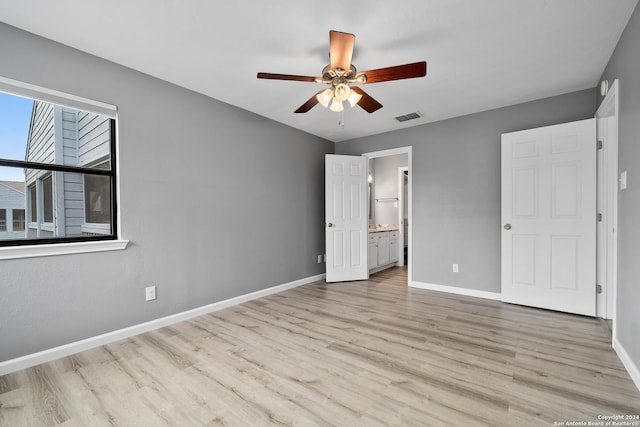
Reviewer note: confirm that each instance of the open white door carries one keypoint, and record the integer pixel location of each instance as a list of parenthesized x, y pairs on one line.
[(549, 217), (346, 217)]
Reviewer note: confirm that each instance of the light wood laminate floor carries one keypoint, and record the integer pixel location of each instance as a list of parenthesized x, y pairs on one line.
[(372, 353)]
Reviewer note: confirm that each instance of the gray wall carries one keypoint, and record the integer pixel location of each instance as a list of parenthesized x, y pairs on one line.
[(625, 65), (217, 202), (456, 185)]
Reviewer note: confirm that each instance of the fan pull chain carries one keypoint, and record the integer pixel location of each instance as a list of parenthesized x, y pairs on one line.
[(341, 119)]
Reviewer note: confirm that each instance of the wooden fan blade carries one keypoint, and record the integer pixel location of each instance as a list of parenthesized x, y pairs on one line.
[(309, 104), (399, 72), (340, 50), (272, 76), (366, 102)]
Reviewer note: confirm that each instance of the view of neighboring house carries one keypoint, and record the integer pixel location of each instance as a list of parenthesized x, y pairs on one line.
[(62, 204), (12, 210)]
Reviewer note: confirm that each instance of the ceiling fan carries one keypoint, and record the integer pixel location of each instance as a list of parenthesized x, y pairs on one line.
[(341, 73)]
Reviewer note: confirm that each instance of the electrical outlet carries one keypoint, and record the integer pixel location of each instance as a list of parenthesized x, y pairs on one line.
[(455, 268), (623, 180), (150, 293), (319, 259)]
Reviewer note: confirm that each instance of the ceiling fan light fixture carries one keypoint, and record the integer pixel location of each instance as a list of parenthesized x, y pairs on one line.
[(342, 92), (340, 73), (325, 97), (336, 105), (354, 98)]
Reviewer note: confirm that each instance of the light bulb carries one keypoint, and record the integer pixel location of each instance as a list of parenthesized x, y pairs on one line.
[(354, 98), (325, 97), (342, 92), (336, 105)]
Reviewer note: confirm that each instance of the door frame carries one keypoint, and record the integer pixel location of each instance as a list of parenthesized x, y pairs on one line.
[(609, 110), (409, 152)]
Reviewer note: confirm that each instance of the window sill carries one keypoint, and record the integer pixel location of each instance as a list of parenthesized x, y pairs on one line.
[(16, 252)]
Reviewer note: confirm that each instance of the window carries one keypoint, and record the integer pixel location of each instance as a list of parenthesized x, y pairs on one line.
[(97, 201), (33, 205), (3, 220), (47, 196), (18, 220), (59, 160)]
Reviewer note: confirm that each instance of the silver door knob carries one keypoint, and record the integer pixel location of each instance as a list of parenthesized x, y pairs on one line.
[(330, 225), (507, 226)]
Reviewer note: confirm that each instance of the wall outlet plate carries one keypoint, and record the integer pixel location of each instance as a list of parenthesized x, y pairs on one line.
[(150, 293), (455, 268)]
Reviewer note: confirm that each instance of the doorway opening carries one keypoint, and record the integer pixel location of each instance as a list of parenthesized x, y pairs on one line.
[(403, 213), (390, 212)]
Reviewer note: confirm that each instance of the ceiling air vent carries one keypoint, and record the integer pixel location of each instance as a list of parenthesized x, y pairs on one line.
[(409, 116)]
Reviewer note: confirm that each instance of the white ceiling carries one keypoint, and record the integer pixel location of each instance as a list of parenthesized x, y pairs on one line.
[(481, 54)]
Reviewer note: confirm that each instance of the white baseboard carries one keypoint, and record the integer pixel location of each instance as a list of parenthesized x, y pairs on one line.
[(631, 367), (456, 290), (378, 269), (44, 356)]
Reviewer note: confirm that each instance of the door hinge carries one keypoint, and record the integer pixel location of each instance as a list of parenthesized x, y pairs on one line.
[(599, 217), (599, 145), (598, 289)]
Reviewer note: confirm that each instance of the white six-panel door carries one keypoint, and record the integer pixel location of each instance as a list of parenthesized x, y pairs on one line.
[(549, 217), (346, 220)]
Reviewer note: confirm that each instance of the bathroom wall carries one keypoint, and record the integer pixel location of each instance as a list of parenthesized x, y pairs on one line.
[(386, 187)]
